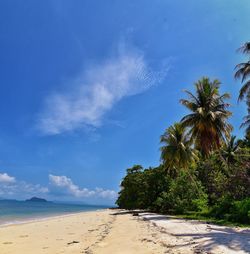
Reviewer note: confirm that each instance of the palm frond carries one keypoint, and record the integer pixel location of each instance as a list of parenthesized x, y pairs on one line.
[(208, 120), (244, 90), (245, 48)]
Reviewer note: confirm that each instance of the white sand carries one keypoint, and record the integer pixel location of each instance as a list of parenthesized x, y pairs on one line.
[(117, 232), (190, 236)]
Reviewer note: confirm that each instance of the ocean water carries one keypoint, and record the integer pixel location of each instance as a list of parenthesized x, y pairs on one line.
[(14, 212)]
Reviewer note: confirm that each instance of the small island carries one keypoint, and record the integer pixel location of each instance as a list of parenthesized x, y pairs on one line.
[(36, 199)]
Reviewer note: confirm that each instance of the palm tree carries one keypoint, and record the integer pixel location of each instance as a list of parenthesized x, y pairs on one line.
[(208, 119), (177, 151), (230, 151), (243, 73)]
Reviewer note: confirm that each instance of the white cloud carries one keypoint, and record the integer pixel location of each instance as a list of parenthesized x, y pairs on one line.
[(32, 189), (62, 185), (10, 187), (95, 93), (106, 193), (58, 186), (5, 178)]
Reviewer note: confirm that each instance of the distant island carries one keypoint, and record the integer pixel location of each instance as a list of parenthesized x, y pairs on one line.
[(36, 199)]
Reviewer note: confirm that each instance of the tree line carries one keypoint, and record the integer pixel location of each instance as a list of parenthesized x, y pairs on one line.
[(204, 169)]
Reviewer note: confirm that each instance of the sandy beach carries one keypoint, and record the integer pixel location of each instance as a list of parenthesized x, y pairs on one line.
[(111, 231)]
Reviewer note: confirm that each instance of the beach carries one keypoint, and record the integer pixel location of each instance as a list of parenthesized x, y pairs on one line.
[(112, 231)]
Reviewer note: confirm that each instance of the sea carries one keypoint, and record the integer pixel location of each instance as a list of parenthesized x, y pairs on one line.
[(17, 212)]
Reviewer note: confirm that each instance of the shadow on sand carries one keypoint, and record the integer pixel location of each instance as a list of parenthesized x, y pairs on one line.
[(133, 212), (231, 238), (228, 237)]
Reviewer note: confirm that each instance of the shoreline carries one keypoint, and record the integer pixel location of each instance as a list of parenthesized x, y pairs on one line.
[(116, 231), (45, 218)]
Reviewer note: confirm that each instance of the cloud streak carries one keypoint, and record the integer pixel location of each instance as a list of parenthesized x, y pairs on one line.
[(96, 91)]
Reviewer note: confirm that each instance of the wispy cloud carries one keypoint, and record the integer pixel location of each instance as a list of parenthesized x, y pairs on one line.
[(63, 185), (96, 91)]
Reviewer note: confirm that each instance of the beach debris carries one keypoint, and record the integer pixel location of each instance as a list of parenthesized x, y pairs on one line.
[(73, 242)]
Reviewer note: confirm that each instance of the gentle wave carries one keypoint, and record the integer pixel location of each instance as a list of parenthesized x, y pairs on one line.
[(18, 212)]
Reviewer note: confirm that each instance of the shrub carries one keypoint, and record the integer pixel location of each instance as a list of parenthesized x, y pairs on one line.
[(235, 211), (240, 211), (221, 209), (184, 194)]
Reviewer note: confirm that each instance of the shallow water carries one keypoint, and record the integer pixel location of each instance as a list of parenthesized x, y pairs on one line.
[(13, 212)]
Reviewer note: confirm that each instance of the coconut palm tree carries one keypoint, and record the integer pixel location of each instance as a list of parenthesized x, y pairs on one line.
[(230, 151), (177, 151), (243, 73), (208, 119)]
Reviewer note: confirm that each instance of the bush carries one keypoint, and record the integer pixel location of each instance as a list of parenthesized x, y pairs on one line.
[(141, 187), (200, 204), (240, 211), (235, 211), (221, 209), (184, 194)]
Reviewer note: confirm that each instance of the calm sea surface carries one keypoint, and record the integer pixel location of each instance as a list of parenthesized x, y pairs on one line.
[(12, 212)]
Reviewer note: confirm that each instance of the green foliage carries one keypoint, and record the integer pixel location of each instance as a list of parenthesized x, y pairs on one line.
[(177, 151), (140, 189), (222, 208), (243, 73), (217, 187), (183, 196), (154, 189), (213, 177), (208, 118), (205, 170), (235, 211), (240, 211), (131, 189), (230, 151)]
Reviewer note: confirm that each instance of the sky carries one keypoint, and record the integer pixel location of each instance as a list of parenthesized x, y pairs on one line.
[(87, 87)]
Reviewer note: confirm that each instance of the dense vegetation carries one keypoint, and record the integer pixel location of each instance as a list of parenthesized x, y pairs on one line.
[(204, 170)]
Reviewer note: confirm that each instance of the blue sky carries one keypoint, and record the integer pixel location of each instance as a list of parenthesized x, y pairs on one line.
[(87, 87)]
